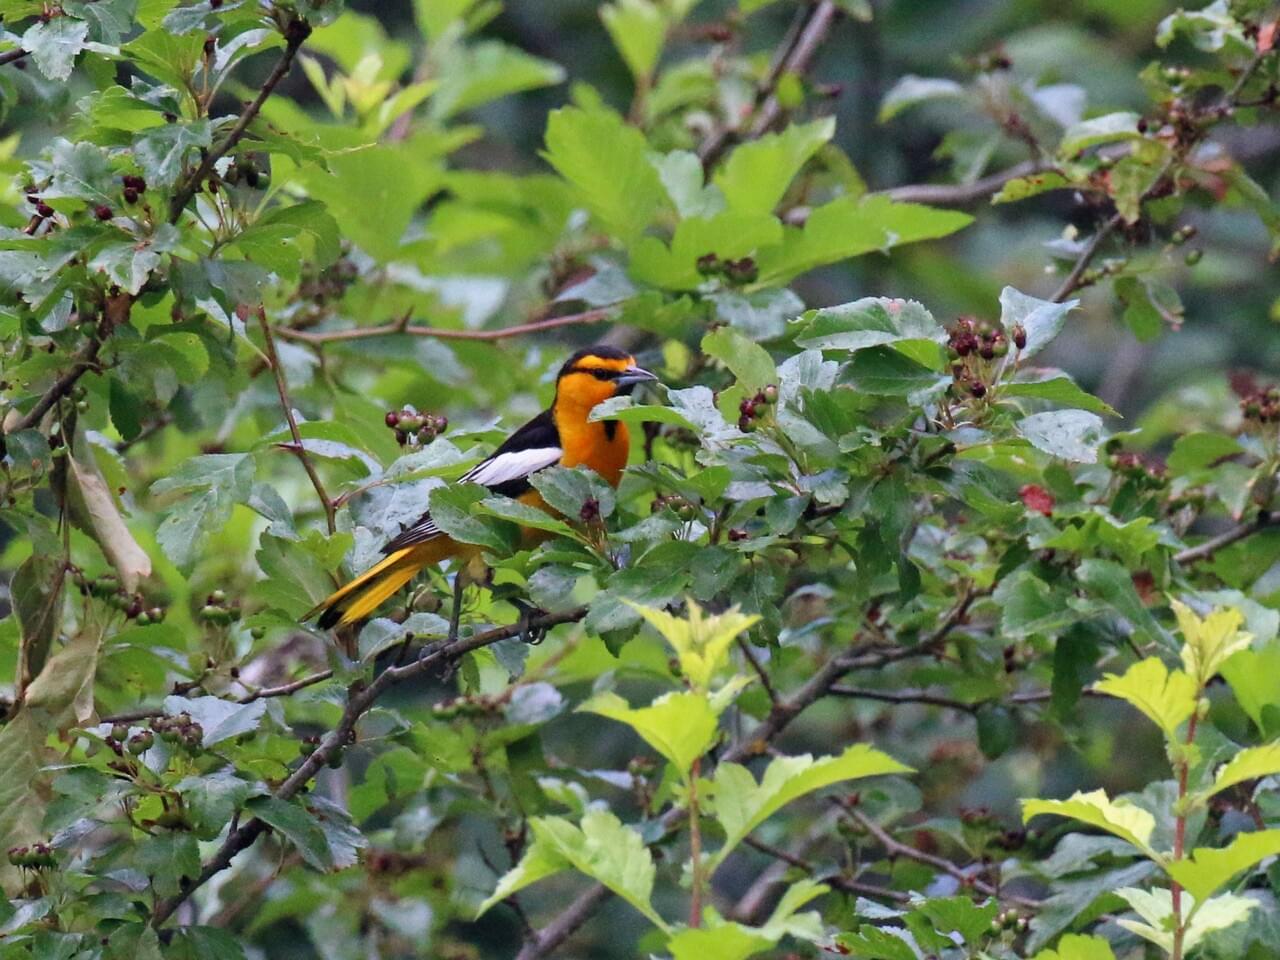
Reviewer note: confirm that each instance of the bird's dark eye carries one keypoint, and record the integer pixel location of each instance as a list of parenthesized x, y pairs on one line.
[(600, 373)]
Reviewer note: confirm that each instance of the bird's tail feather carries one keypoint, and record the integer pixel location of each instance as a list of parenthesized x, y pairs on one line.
[(361, 596)]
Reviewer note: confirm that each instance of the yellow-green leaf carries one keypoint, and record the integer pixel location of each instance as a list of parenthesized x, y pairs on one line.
[(1118, 817), (1248, 764), (1209, 641), (1167, 697), (1207, 869), (701, 642), (680, 726)]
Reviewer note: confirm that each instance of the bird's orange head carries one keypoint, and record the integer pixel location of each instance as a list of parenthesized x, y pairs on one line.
[(593, 375)]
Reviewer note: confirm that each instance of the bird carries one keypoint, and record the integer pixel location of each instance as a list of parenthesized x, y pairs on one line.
[(562, 435)]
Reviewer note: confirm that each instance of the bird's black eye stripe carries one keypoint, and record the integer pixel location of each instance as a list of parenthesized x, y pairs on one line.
[(600, 373)]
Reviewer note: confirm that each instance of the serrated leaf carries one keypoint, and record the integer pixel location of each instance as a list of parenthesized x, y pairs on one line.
[(55, 44), (638, 29), (1168, 698), (701, 642), (1105, 129), (1251, 763), (1061, 391), (162, 151), (1075, 946), (1206, 869), (740, 804), (297, 826), (679, 725), (1208, 642), (870, 322), (757, 174), (605, 160), (749, 362), (567, 489), (1119, 817), (452, 509), (219, 719)]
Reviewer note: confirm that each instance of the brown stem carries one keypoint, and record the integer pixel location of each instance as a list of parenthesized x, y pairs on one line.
[(963, 194), (1180, 842), (1075, 279), (695, 847), (9, 56), (1203, 551), (85, 360), (597, 315), (264, 693), (295, 34), (360, 701), (758, 667), (298, 448)]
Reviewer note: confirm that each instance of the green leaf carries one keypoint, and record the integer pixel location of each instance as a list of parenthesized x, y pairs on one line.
[(1168, 698), (701, 642), (1060, 390), (1207, 869), (1251, 763), (1120, 817), (1209, 641), (1032, 185), (1114, 584), (884, 371), (740, 804), (960, 914), (504, 508), (453, 510), (1029, 607), (1199, 451), (638, 29), (725, 941), (1105, 129), (1254, 676), (603, 848), (870, 322), (605, 159), (476, 73), (1075, 946), (1069, 434), (910, 90), (567, 489), (680, 725), (219, 719), (749, 362), (1041, 320), (632, 414), (217, 481), (55, 44), (163, 151), (757, 174), (849, 227), (297, 826)]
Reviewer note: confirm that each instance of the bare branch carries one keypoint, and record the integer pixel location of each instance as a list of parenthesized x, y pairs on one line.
[(1075, 279), (797, 60), (552, 935), (597, 315), (85, 360), (9, 56), (298, 448), (295, 34), (962, 194), (264, 693)]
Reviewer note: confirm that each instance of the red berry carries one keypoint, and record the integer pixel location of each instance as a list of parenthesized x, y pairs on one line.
[(44, 210), (102, 212), (130, 195), (392, 419)]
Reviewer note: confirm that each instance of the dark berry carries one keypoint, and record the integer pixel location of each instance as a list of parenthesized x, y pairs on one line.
[(392, 419), (44, 210), (102, 212), (130, 195)]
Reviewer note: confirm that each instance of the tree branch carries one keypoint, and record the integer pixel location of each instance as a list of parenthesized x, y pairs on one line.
[(596, 315), (295, 34), (86, 359), (895, 848), (769, 109), (298, 448), (9, 56), (963, 194), (264, 693), (1204, 551), (360, 700), (1075, 279)]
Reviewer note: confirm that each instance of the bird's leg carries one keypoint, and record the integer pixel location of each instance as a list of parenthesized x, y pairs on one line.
[(455, 615), (530, 634)]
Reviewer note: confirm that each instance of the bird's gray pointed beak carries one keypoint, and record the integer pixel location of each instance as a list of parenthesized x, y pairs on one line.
[(630, 377)]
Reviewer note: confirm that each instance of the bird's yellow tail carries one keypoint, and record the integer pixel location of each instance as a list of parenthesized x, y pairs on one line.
[(361, 596)]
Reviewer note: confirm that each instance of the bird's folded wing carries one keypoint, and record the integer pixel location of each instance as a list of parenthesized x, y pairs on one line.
[(507, 472)]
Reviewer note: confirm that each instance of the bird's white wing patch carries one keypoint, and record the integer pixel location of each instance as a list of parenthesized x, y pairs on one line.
[(512, 465)]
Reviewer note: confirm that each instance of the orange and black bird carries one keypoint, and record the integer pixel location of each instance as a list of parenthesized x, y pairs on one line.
[(561, 435)]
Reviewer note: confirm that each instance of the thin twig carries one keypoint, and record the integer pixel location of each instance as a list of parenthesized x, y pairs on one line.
[(295, 35), (835, 881), (9, 56), (758, 667), (1203, 551), (397, 327), (1075, 279), (895, 848), (360, 700), (85, 360), (264, 693), (797, 61), (298, 448)]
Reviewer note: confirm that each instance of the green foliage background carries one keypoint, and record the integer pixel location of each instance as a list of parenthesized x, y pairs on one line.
[(936, 615)]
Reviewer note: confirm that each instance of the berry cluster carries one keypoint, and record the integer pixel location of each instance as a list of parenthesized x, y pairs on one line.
[(1136, 467), (466, 707), (218, 611), (590, 511), (734, 272), (245, 169), (754, 408), (178, 730), (107, 588), (681, 507), (1261, 405), (134, 187), (38, 856), (973, 346), (418, 428)]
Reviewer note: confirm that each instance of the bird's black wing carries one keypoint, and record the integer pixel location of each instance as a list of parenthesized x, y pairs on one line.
[(506, 471)]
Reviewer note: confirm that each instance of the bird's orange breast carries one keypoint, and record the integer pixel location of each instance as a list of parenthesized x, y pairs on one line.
[(590, 444)]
